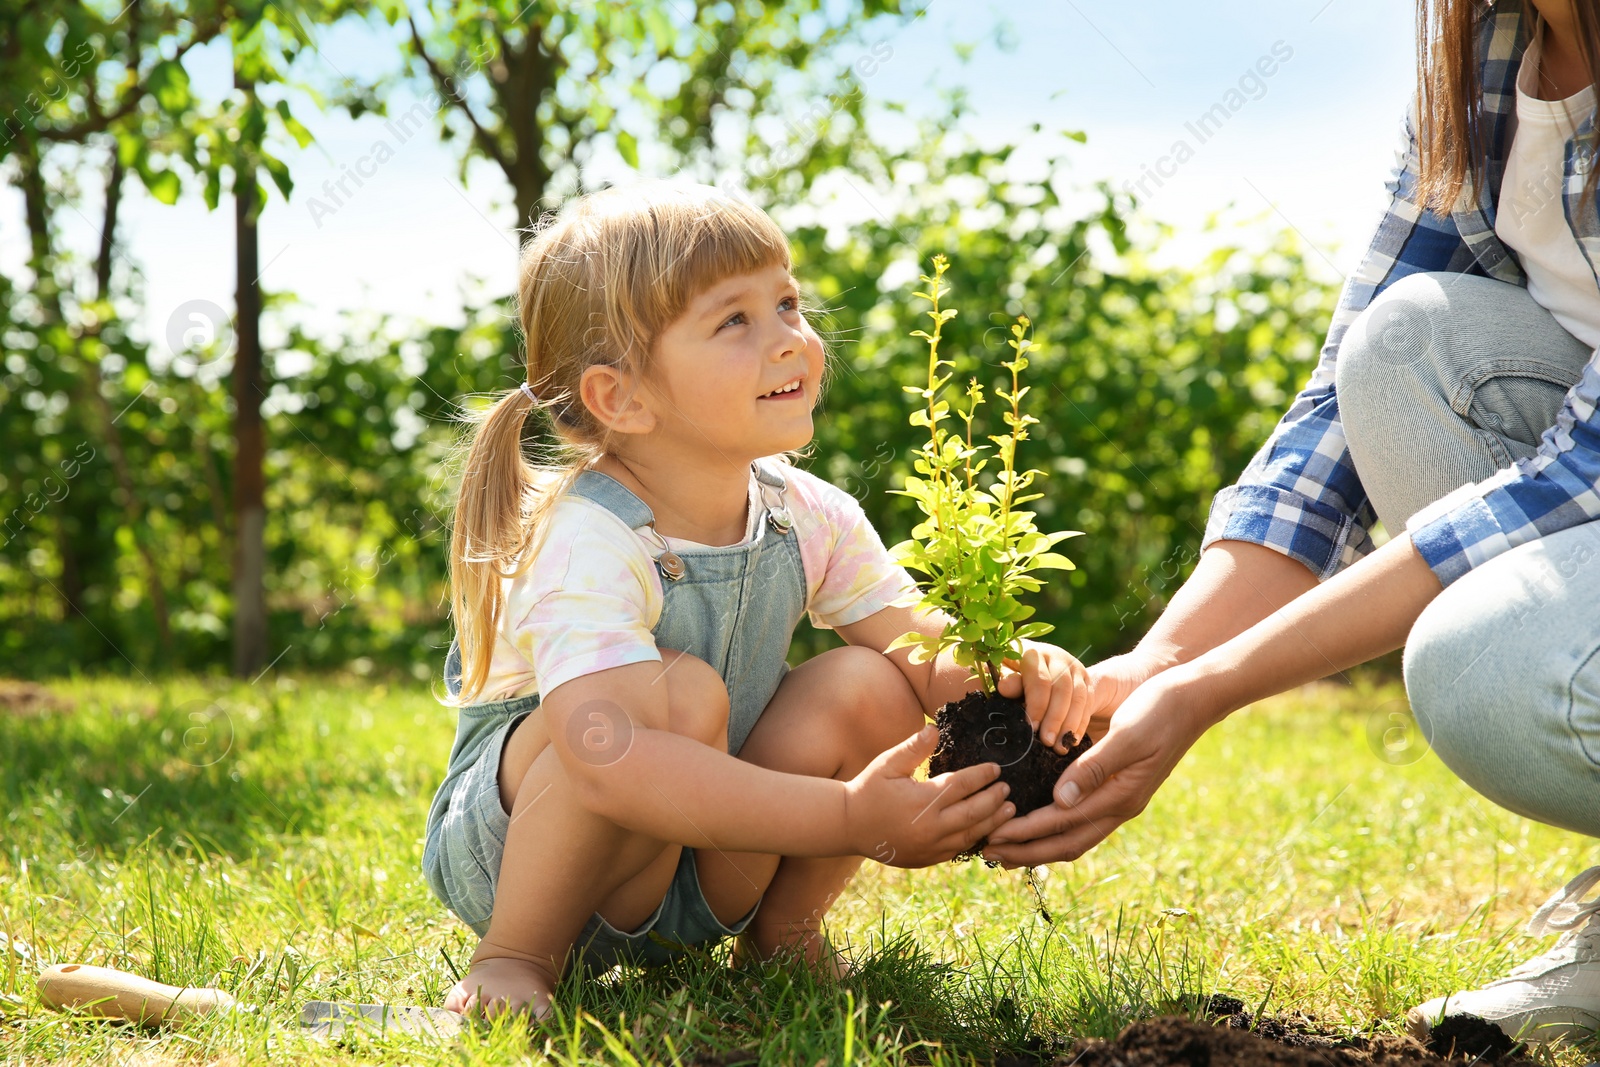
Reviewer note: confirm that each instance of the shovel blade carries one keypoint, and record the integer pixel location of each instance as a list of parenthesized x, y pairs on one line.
[(323, 1018)]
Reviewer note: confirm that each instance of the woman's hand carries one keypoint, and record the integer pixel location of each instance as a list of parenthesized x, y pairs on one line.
[(1114, 780), (1065, 699), (1364, 611), (897, 820)]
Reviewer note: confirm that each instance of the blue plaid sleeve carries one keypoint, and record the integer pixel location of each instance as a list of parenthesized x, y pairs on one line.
[(1555, 488), (1300, 494)]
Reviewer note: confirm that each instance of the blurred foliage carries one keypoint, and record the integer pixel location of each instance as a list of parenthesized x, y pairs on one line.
[(1153, 386)]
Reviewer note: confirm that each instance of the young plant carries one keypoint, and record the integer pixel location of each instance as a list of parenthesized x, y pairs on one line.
[(975, 546), (977, 550)]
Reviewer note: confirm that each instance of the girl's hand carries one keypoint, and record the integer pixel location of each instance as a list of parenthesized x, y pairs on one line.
[(1113, 781), (1111, 681), (1095, 692), (899, 821), (1061, 694)]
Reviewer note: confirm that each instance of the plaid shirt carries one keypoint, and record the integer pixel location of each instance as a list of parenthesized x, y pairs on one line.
[(1300, 494)]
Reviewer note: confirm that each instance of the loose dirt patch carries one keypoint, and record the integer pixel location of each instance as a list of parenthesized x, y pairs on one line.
[(1234, 1039), (28, 700)]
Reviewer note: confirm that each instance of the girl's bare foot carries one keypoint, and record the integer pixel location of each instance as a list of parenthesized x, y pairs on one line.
[(498, 984), (822, 957), (810, 947)]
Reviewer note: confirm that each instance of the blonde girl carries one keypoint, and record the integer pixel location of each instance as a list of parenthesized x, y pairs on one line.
[(636, 769)]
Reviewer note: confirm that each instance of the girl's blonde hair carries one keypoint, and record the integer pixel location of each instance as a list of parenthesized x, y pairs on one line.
[(595, 286)]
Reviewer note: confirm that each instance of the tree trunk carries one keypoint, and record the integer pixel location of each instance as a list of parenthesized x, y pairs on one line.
[(249, 482), (530, 76), (521, 80)]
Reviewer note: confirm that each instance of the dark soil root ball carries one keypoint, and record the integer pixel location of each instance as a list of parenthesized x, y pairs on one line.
[(989, 728), (1469, 1036)]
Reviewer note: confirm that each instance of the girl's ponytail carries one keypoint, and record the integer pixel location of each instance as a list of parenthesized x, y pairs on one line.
[(491, 532)]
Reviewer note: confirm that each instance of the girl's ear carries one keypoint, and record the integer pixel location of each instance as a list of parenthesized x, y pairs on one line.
[(613, 397)]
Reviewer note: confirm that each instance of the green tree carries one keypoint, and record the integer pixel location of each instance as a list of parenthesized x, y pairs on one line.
[(701, 85), (85, 86)]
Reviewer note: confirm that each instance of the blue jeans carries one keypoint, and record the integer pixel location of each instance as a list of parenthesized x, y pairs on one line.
[(1445, 379)]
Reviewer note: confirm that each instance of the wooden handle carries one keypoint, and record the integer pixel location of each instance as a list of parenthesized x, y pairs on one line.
[(120, 995)]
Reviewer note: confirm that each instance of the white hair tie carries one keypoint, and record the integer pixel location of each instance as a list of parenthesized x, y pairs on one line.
[(527, 391)]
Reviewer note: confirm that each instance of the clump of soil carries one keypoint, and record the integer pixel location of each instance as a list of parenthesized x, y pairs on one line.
[(1236, 1039), (987, 727), (1297, 1030), (1468, 1035)]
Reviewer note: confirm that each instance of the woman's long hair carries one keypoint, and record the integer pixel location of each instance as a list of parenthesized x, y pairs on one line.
[(596, 286), (1450, 98)]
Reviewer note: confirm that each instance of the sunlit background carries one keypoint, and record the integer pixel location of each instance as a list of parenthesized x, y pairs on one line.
[(1308, 149), (1172, 192)]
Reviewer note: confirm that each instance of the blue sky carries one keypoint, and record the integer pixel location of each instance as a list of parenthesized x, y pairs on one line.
[(1311, 92)]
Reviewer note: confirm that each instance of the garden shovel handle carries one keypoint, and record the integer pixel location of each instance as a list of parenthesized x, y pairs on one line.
[(120, 995)]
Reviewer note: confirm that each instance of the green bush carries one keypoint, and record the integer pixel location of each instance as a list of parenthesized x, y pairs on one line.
[(1153, 386)]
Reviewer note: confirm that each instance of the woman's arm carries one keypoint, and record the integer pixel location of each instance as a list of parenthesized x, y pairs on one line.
[(1235, 585), (1360, 614), (1363, 612)]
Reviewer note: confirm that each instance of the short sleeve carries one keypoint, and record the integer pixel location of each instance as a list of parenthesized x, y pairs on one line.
[(589, 602), (849, 573)]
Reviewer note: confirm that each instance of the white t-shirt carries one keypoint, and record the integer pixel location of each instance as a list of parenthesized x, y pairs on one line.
[(1531, 217), (593, 594)]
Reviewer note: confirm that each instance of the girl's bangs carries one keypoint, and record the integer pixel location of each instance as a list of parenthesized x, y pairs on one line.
[(702, 240)]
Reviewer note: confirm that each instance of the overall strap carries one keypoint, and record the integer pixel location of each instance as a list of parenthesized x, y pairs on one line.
[(635, 514), (767, 474), (772, 486), (614, 497)]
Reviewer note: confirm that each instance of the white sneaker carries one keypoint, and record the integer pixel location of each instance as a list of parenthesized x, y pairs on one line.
[(1549, 998)]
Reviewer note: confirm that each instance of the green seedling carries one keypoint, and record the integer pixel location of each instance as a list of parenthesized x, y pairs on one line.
[(976, 548)]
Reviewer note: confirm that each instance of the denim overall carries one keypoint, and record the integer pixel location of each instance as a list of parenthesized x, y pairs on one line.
[(735, 607)]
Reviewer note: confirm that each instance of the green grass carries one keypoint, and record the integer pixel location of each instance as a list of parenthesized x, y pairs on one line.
[(266, 839)]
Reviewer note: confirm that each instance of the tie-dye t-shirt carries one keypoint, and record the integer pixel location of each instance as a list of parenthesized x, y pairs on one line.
[(593, 594)]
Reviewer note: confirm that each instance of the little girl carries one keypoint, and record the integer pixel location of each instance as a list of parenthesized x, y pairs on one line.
[(636, 770)]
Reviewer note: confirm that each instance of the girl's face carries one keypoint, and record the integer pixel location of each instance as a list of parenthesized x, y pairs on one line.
[(736, 375)]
